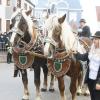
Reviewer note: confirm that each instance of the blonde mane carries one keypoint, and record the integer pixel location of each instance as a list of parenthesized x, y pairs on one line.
[(67, 36)]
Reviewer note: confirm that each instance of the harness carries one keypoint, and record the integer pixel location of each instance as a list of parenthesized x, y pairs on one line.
[(59, 65), (24, 59)]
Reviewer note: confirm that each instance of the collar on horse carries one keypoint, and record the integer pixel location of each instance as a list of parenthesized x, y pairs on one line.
[(60, 64)]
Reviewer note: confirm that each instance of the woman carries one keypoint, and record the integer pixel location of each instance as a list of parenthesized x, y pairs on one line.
[(93, 72)]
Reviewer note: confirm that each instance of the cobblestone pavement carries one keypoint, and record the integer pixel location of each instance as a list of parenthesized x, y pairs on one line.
[(12, 88)]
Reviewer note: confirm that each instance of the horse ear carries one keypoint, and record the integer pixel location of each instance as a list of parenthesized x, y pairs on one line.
[(61, 20), (28, 12)]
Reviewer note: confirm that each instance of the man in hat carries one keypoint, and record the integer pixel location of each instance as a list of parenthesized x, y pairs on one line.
[(84, 30), (93, 72)]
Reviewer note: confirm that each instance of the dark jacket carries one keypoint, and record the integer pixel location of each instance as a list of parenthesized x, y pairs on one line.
[(84, 57), (85, 32)]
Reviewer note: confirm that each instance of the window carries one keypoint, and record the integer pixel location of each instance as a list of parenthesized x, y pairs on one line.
[(7, 25), (19, 3), (0, 24), (14, 9), (0, 2), (8, 2), (25, 6)]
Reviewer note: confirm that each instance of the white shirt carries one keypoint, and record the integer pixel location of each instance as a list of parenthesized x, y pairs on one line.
[(94, 64)]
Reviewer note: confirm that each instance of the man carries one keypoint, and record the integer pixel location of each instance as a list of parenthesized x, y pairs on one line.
[(84, 30)]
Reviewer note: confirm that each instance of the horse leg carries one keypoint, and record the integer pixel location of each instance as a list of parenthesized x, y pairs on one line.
[(80, 79), (25, 83), (45, 71), (61, 87), (73, 87), (51, 88), (37, 81), (86, 90)]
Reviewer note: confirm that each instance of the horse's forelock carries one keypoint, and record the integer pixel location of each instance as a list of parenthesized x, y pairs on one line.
[(51, 22)]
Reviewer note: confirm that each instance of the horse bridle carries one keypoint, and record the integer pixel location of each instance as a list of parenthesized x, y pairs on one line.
[(17, 30), (85, 44), (26, 47), (50, 40)]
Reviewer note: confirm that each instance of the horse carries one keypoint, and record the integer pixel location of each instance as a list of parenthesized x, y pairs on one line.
[(59, 46), (83, 89), (86, 42), (24, 40)]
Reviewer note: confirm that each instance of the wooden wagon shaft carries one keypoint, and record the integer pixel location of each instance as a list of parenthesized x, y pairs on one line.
[(37, 54)]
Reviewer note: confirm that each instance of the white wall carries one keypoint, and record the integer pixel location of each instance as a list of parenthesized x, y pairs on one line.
[(89, 13)]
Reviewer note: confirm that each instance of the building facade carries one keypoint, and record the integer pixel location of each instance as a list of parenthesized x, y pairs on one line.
[(7, 7), (72, 8)]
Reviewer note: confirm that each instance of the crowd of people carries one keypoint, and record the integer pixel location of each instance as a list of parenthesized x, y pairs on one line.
[(92, 77), (5, 45)]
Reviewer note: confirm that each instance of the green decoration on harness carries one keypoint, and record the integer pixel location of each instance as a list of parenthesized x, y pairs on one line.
[(22, 59), (58, 66)]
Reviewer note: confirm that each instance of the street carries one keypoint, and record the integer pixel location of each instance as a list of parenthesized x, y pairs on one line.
[(12, 89)]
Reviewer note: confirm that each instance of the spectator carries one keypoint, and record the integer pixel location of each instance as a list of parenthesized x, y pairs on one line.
[(9, 52), (93, 72), (84, 30)]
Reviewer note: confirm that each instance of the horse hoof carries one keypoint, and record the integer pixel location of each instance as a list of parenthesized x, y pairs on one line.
[(79, 94), (86, 94), (43, 90), (38, 98), (51, 90), (25, 97)]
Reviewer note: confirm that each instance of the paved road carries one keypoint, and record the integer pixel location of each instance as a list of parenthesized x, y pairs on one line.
[(12, 88)]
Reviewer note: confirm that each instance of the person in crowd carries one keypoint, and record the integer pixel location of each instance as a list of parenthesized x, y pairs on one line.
[(84, 30), (93, 72), (9, 52)]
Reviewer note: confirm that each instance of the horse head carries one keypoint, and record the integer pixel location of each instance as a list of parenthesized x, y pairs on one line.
[(59, 35), (22, 28), (53, 40)]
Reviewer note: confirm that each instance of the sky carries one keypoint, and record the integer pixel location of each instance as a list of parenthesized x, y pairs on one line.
[(89, 13), (97, 2)]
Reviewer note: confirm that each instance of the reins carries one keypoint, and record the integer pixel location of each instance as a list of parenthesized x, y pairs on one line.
[(84, 43)]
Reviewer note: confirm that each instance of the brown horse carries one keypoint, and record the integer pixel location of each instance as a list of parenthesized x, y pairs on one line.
[(24, 40), (60, 44)]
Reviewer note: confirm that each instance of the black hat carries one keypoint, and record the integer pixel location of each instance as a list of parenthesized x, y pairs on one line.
[(96, 35), (83, 20)]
